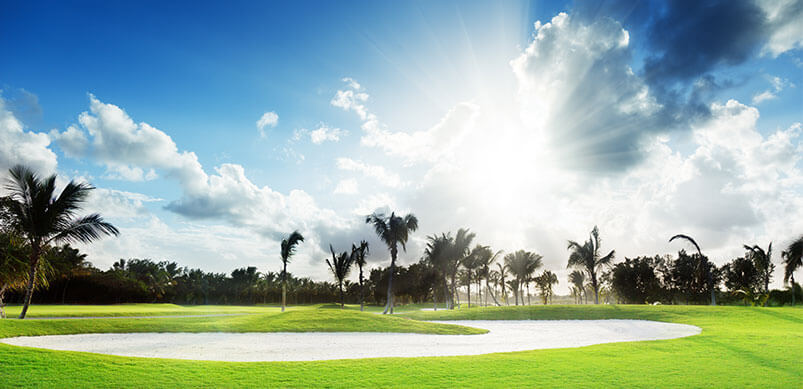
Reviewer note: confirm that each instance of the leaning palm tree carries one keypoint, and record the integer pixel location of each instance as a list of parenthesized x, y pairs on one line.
[(587, 257), (578, 279), (793, 260), (359, 259), (460, 250), (762, 260), (288, 249), (340, 267), (394, 231), (44, 218), (703, 261)]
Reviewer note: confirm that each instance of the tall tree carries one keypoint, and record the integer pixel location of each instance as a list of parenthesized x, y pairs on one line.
[(578, 279), (460, 250), (340, 267), (522, 264), (502, 269), (438, 254), (288, 249), (44, 218), (359, 258), (704, 264), (793, 260), (587, 257), (394, 231), (763, 261)]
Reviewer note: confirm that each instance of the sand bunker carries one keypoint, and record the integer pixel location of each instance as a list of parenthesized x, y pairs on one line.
[(504, 336)]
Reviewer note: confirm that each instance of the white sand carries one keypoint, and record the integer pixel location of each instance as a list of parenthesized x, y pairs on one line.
[(504, 336)]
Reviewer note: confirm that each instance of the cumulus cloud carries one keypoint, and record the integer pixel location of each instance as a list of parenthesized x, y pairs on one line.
[(18, 146), (268, 119), (381, 174), (433, 144), (326, 134), (577, 90), (346, 187), (786, 30)]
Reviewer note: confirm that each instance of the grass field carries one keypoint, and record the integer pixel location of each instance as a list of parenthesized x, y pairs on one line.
[(739, 347)]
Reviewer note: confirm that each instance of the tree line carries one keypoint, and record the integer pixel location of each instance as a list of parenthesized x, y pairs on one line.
[(37, 226)]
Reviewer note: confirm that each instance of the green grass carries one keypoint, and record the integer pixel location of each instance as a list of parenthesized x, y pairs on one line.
[(739, 347), (134, 310)]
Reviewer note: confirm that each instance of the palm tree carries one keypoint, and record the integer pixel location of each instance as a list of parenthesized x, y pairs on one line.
[(340, 267), (793, 260), (394, 231), (502, 273), (13, 253), (522, 264), (587, 257), (763, 263), (288, 249), (545, 282), (359, 258), (578, 279), (438, 253), (703, 262), (44, 218), (460, 250)]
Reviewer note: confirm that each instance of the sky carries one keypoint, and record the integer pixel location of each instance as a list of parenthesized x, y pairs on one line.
[(212, 130)]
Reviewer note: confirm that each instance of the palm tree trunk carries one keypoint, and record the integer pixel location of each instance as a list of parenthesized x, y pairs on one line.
[(362, 292), (389, 305), (3, 305), (595, 286), (31, 279), (342, 303), (468, 285), (793, 289), (529, 302), (284, 286)]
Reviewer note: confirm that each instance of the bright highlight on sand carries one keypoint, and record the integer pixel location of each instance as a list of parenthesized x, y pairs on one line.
[(503, 336)]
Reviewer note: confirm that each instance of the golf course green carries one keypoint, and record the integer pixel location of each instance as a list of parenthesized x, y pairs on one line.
[(738, 347)]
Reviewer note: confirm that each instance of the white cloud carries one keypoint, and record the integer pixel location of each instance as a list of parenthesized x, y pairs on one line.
[(786, 30), (378, 172), (433, 144), (763, 96), (268, 119), (72, 141), (578, 92), (347, 187), (325, 133), (18, 146)]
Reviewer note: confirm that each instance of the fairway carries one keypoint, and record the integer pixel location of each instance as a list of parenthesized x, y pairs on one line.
[(738, 347)]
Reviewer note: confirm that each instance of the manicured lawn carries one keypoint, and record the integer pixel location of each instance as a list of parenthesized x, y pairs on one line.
[(739, 347), (134, 310)]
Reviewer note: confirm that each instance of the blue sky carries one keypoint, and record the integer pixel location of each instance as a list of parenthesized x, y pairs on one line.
[(646, 119)]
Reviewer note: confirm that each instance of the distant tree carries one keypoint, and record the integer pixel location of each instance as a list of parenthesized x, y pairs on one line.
[(692, 276), (502, 271), (394, 231), (578, 279), (13, 255), (44, 218), (793, 260), (522, 264), (288, 248), (340, 267), (763, 262), (635, 280), (438, 254), (741, 275), (359, 258), (587, 257), (704, 266), (460, 250), (544, 282)]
